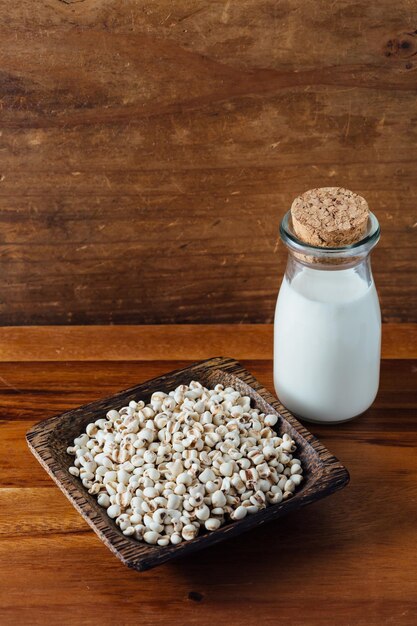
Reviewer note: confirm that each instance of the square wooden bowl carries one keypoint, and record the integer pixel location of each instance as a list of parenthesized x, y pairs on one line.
[(49, 440)]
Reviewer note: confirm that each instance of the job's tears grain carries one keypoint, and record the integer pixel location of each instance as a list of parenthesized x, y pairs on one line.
[(188, 461)]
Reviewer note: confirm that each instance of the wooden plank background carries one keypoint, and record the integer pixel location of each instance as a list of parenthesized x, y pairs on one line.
[(148, 151)]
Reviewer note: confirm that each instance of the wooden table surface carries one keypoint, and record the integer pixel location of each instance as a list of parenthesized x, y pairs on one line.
[(348, 560)]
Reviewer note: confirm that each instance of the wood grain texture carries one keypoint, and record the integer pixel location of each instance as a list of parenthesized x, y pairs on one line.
[(348, 560), (149, 150), (150, 343)]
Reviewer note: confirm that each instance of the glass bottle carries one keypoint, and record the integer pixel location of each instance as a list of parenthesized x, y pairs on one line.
[(327, 331)]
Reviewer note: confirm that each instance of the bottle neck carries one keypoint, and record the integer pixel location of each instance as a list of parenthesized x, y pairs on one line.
[(331, 259), (335, 271)]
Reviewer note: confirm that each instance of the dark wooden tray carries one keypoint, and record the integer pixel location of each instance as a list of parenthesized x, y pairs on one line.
[(49, 440)]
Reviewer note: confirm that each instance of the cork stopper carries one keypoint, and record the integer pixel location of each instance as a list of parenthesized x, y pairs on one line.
[(330, 217)]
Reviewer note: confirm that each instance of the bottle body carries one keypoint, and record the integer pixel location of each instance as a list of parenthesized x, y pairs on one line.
[(327, 341)]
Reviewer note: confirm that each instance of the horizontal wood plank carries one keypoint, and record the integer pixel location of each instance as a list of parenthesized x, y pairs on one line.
[(180, 342)]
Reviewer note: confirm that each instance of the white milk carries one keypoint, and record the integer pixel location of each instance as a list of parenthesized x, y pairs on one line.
[(327, 344)]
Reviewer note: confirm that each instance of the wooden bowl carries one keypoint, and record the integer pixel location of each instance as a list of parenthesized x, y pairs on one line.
[(48, 440)]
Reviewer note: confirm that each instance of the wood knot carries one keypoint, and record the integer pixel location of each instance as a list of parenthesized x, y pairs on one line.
[(195, 596), (402, 46)]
